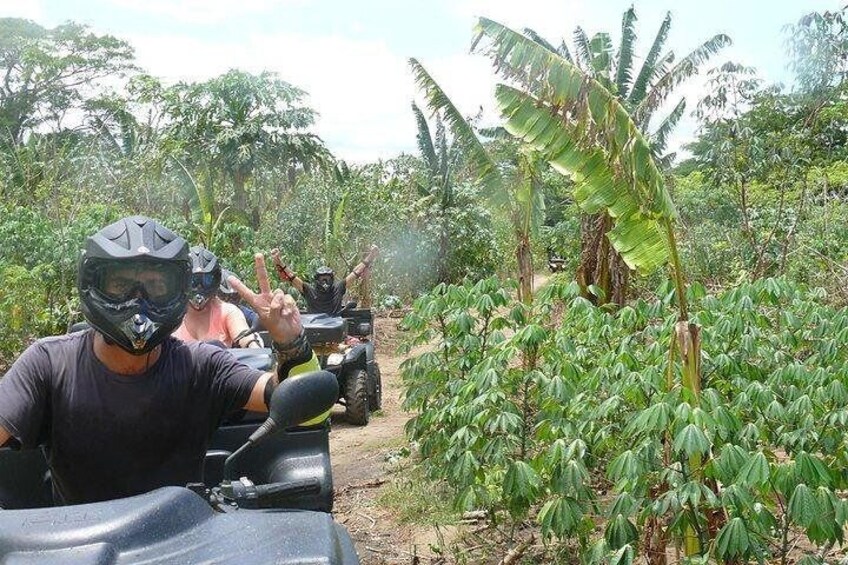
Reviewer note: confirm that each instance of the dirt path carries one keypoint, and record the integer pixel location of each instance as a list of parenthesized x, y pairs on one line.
[(361, 471)]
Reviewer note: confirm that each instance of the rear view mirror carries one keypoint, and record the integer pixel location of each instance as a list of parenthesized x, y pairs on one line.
[(299, 399)]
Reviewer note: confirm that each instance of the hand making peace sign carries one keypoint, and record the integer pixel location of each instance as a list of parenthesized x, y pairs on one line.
[(276, 310)]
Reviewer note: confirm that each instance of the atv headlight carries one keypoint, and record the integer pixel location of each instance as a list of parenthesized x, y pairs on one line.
[(335, 359), (364, 328)]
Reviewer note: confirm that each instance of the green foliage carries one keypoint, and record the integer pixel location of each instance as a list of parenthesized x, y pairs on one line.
[(38, 268), (596, 413)]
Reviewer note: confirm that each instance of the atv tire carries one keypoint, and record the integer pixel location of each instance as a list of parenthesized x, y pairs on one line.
[(375, 388), (356, 397)]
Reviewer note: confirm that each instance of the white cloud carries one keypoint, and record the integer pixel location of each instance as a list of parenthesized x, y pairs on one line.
[(361, 90), (29, 9), (205, 11)]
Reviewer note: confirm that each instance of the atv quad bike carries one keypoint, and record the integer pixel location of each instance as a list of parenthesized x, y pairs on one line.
[(271, 504), (345, 348)]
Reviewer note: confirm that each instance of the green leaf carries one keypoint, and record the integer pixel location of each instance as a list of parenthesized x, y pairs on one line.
[(811, 470), (755, 472), (560, 516), (623, 556), (733, 541), (691, 440), (625, 465), (592, 139), (620, 531), (803, 507), (521, 481)]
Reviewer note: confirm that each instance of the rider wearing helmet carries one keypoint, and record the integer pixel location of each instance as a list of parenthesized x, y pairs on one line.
[(208, 317), (123, 407), (326, 294), (227, 293)]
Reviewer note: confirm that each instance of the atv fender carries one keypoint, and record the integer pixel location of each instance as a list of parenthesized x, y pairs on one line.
[(357, 356)]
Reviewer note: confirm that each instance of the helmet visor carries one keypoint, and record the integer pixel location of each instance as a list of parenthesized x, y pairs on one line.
[(160, 284), (203, 283)]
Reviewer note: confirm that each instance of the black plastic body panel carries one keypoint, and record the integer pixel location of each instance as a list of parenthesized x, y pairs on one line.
[(357, 316), (171, 525), (300, 453), (297, 454), (321, 328)]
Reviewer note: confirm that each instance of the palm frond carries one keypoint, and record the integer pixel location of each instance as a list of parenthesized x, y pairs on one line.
[(687, 67), (487, 172), (640, 86), (601, 46), (583, 131), (666, 161), (498, 132), (540, 40), (624, 61), (582, 50), (659, 139), (442, 151), (564, 52), (425, 142)]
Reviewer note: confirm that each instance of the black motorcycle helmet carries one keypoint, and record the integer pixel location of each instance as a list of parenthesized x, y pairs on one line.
[(225, 290), (133, 281), (324, 279), (205, 276)]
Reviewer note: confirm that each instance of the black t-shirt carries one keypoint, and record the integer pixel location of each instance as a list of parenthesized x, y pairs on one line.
[(324, 302), (109, 435)]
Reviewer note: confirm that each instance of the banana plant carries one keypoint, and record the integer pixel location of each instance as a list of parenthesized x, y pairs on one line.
[(519, 191), (206, 221), (582, 129)]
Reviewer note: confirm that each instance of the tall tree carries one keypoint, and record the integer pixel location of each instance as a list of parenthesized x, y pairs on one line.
[(48, 72), (441, 159), (232, 125), (642, 94)]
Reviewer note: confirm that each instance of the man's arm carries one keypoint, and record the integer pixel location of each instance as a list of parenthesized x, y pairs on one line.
[(285, 272), (362, 268), (261, 392), (5, 436), (280, 316)]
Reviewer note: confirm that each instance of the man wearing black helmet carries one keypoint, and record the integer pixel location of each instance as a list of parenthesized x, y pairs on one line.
[(125, 408), (326, 294)]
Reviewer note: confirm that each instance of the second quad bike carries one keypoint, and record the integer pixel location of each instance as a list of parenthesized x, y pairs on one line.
[(345, 347)]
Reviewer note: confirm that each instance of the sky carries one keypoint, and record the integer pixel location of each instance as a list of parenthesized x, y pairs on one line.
[(351, 56)]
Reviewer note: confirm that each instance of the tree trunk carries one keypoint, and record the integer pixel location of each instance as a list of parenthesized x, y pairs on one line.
[(444, 248), (525, 269), (239, 193), (600, 264)]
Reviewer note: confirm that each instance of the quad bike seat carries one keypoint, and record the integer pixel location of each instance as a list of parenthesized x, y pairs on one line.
[(323, 328)]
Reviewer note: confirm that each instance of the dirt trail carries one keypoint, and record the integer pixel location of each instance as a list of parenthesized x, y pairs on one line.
[(361, 471)]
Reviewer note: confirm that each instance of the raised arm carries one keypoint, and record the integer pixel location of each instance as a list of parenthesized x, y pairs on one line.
[(280, 316), (284, 272), (363, 267)]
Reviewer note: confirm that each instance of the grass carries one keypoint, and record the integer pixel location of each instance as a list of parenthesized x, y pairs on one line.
[(414, 499)]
